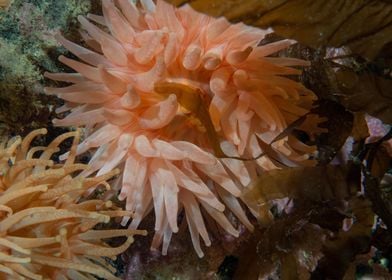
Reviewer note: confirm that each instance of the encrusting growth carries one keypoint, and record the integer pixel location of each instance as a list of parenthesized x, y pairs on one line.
[(46, 227), (161, 89)]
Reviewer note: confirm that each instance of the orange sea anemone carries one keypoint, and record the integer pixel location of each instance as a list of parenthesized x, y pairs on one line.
[(46, 231), (153, 86)]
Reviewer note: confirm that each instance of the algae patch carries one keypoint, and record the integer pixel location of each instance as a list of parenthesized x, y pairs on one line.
[(27, 49)]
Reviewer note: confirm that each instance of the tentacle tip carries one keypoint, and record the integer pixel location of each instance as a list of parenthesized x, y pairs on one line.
[(116, 171), (58, 36), (122, 196), (143, 232), (153, 249), (220, 208), (172, 98), (106, 219), (47, 75), (81, 18), (62, 58), (47, 90), (108, 204), (291, 41), (63, 156), (237, 193)]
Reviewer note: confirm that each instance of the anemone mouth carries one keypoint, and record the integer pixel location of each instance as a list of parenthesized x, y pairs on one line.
[(190, 97), (193, 103)]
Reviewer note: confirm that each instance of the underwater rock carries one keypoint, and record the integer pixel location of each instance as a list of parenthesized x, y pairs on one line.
[(27, 49)]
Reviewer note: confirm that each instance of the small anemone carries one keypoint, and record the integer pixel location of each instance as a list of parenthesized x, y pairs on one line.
[(46, 226)]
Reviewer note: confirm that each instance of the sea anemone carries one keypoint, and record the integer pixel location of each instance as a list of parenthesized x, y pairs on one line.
[(46, 227), (165, 93)]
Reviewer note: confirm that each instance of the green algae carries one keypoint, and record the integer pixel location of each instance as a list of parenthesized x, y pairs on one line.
[(27, 50)]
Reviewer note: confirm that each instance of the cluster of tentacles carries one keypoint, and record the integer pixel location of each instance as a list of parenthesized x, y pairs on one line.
[(46, 226), (165, 93)]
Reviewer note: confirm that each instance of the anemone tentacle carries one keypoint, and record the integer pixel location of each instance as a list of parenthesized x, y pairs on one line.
[(160, 139)]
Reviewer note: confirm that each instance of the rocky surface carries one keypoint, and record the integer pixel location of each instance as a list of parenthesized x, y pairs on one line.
[(27, 50)]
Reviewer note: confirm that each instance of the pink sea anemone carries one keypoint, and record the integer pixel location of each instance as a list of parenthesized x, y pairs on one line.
[(153, 82)]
